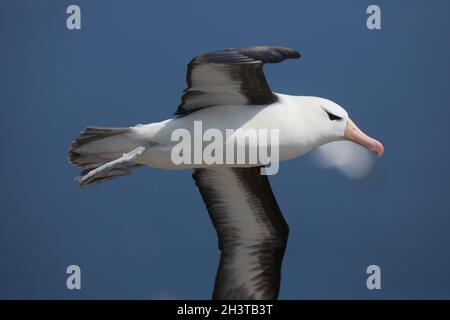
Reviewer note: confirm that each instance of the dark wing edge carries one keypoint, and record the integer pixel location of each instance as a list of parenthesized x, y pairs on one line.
[(251, 230), (264, 54), (241, 73)]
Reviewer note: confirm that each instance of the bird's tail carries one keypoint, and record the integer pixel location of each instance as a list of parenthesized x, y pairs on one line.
[(100, 152)]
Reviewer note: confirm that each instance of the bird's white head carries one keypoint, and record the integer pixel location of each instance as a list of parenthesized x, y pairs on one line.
[(332, 123)]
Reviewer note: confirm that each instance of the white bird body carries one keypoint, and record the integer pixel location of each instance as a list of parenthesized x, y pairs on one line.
[(292, 116)]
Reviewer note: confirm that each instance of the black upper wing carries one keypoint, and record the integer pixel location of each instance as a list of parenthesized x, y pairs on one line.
[(231, 77)]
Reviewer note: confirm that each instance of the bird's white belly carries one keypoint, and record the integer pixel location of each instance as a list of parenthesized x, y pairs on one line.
[(265, 131)]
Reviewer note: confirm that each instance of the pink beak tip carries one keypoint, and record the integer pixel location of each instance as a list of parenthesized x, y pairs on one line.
[(374, 146), (378, 149)]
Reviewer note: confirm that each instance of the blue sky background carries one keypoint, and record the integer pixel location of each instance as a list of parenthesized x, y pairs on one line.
[(148, 235)]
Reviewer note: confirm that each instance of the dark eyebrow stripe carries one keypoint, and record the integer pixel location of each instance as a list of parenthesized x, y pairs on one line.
[(332, 116)]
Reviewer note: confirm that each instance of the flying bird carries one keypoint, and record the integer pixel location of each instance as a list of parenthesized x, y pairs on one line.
[(227, 89)]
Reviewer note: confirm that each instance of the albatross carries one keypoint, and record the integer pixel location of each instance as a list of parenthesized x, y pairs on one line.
[(227, 89)]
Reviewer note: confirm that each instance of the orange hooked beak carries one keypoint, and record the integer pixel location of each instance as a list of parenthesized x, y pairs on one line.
[(353, 133)]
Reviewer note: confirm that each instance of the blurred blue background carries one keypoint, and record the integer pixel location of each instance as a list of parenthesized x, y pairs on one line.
[(148, 235)]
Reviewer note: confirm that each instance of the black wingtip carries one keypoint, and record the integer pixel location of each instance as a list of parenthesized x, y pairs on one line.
[(269, 54)]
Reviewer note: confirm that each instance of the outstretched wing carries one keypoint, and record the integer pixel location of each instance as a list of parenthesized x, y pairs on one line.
[(251, 229), (231, 77)]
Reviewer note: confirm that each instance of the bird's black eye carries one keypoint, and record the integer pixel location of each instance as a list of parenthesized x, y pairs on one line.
[(333, 116)]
